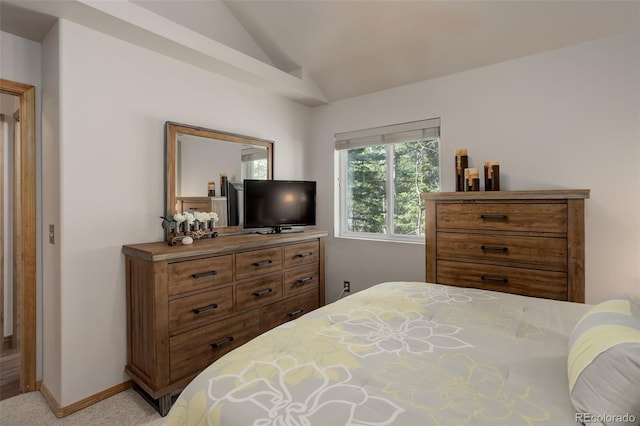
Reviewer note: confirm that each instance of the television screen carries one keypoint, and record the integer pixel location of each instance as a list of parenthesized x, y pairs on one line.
[(279, 203)]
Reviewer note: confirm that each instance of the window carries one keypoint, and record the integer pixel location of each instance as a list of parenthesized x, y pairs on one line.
[(382, 173), (254, 163)]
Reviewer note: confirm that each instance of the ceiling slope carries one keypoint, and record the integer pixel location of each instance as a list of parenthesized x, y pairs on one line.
[(318, 51), (351, 48), (130, 22)]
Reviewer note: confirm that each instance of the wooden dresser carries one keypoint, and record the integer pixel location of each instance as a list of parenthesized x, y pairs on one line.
[(522, 242), (189, 305)]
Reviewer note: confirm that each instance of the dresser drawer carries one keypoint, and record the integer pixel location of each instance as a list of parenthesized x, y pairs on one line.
[(301, 279), (192, 351), (197, 309), (551, 252), (288, 309), (528, 282), (301, 254), (198, 274), (257, 292), (198, 206), (264, 261), (503, 217)]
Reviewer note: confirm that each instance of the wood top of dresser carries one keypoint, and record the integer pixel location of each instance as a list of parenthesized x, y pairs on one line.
[(551, 194), (159, 251)]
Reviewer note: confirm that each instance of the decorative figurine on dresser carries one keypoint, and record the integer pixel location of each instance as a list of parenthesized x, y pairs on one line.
[(214, 287), (522, 242)]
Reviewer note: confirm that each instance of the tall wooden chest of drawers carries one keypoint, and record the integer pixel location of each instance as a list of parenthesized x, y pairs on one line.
[(523, 242), (189, 305)]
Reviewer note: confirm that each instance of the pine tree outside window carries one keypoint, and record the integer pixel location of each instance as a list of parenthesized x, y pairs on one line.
[(382, 172)]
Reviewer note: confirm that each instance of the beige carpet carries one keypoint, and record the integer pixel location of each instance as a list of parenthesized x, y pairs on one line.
[(124, 409)]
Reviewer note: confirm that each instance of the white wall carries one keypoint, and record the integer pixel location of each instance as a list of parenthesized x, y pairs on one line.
[(51, 169), (114, 100), (201, 160), (568, 118), (20, 62)]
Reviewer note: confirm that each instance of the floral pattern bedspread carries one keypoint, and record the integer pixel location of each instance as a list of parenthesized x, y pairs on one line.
[(399, 353)]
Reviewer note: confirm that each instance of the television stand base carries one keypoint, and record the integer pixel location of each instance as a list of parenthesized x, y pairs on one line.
[(280, 230)]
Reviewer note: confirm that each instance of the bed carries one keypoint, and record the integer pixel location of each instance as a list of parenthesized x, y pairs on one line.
[(401, 353)]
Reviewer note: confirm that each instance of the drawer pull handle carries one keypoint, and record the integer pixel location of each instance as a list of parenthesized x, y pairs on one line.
[(211, 307), (264, 262), (304, 254), (304, 280), (216, 345), (493, 248), (494, 216), (494, 279), (262, 292), (204, 274), (297, 312)]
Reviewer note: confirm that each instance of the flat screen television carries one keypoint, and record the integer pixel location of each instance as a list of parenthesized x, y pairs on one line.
[(279, 204)]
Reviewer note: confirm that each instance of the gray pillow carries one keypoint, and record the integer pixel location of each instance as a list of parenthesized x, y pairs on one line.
[(604, 364)]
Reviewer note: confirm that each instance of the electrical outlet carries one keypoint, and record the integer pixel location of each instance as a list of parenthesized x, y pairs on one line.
[(346, 286)]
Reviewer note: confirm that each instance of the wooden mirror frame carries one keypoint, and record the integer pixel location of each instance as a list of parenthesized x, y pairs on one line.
[(173, 129)]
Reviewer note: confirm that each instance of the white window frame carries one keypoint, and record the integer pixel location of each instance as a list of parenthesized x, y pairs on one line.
[(374, 137)]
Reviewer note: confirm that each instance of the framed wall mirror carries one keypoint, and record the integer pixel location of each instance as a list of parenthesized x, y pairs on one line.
[(205, 169)]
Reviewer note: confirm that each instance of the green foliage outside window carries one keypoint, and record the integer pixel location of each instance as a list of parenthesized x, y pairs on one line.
[(366, 183), (414, 169)]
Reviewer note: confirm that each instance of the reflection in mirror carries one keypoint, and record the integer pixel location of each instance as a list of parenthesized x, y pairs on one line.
[(205, 169)]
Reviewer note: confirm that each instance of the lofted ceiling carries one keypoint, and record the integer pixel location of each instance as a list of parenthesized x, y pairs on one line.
[(350, 48)]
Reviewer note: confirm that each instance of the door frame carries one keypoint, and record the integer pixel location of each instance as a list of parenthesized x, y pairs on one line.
[(25, 228)]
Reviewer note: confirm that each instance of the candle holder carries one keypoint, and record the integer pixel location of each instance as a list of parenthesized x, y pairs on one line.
[(471, 180), (492, 176), (462, 162), (223, 184)]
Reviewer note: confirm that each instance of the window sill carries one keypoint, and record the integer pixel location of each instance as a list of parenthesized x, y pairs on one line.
[(382, 239)]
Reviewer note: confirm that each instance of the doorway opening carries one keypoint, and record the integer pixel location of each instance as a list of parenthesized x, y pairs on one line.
[(19, 249)]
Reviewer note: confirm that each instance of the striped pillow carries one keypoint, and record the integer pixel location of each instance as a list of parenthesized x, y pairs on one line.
[(604, 362)]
